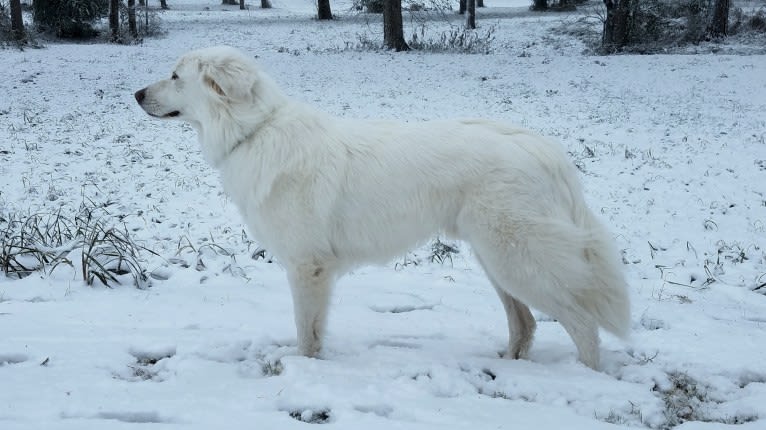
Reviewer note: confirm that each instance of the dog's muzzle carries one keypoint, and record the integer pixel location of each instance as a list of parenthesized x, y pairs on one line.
[(141, 96)]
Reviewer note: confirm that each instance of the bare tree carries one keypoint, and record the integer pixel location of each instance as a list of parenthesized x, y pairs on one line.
[(114, 19), (323, 9), (17, 21), (617, 25), (145, 4), (393, 29), (132, 27), (470, 16), (719, 25), (462, 5)]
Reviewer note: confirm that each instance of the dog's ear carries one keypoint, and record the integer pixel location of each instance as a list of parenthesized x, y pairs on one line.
[(230, 77), (214, 85)]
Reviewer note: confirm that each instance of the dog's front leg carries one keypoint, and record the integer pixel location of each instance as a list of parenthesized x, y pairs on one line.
[(311, 285)]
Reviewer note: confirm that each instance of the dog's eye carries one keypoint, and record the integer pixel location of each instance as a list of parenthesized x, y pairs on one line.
[(174, 77)]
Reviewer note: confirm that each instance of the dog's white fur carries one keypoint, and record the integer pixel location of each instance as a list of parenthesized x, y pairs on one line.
[(326, 195)]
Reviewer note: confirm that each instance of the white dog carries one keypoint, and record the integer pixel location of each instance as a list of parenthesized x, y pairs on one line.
[(326, 195)]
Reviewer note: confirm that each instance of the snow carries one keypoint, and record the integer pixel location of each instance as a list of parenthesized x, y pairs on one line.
[(672, 151)]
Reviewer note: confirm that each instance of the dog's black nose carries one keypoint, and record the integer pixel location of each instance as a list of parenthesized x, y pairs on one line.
[(140, 95)]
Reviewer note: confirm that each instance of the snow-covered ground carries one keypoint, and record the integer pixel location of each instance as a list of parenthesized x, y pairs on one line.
[(672, 151)]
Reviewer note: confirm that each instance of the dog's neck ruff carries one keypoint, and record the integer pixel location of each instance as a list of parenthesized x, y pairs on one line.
[(238, 144), (247, 137)]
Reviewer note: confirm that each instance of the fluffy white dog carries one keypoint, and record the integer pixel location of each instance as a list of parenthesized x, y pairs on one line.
[(326, 195)]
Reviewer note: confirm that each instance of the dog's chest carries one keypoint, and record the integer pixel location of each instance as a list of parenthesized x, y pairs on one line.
[(280, 212)]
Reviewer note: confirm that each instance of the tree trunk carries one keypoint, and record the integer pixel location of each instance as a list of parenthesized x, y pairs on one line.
[(393, 29), (241, 4), (617, 25), (720, 24), (470, 16), (142, 3), (461, 8), (164, 5), (265, 4), (114, 19), (323, 9), (480, 3), (132, 27), (229, 2), (17, 21)]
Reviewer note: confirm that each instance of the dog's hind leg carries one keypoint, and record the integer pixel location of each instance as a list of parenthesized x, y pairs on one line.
[(521, 325), (536, 282), (311, 286), (584, 333), (521, 322)]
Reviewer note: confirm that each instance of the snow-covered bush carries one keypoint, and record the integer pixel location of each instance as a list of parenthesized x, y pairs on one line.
[(69, 18), (376, 6), (92, 243), (5, 19), (743, 22), (457, 39), (148, 23)]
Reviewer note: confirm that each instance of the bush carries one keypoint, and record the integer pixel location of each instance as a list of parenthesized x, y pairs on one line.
[(69, 18), (555, 5), (369, 6), (5, 22), (757, 22), (91, 242), (5, 19), (742, 22), (376, 6), (457, 39), (656, 25), (662, 23), (442, 252), (148, 23)]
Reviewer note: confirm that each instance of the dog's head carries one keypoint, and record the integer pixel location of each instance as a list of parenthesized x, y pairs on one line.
[(221, 92), (202, 81)]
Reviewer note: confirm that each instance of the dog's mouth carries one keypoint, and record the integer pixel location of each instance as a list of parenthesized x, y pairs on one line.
[(172, 114)]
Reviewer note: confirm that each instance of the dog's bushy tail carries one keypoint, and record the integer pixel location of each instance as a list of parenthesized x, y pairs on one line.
[(610, 301), (580, 259), (605, 289), (603, 292)]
